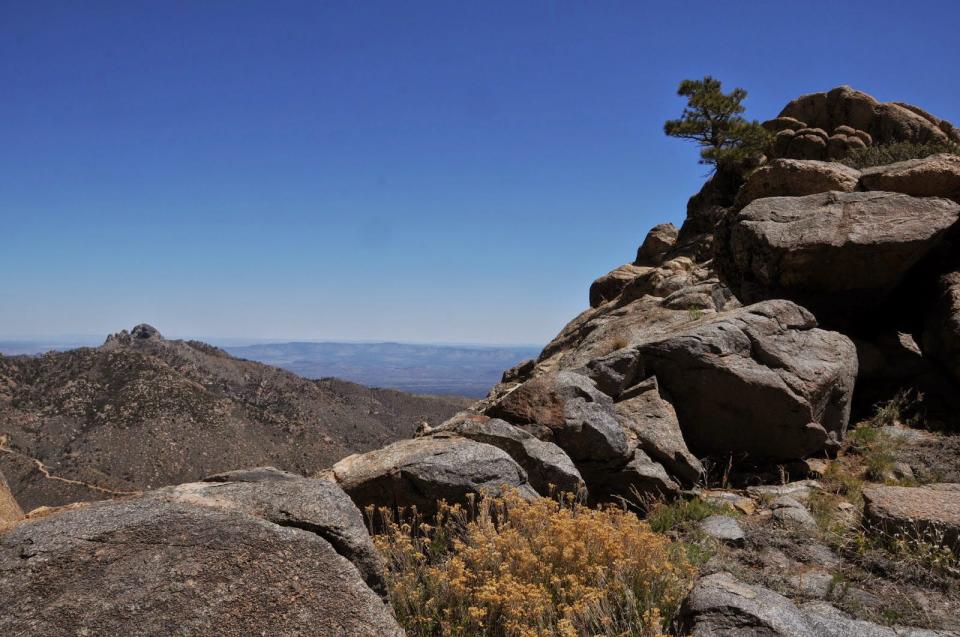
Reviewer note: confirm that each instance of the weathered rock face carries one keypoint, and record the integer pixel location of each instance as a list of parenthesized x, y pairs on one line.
[(931, 512), (795, 178), (941, 336), (213, 558), (838, 254), (9, 509), (421, 471), (318, 506), (637, 483), (885, 122), (934, 176), (657, 243), (567, 409), (645, 414), (761, 380), (548, 468)]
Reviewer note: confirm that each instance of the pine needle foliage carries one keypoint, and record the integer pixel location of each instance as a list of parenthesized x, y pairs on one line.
[(713, 120), (504, 566)]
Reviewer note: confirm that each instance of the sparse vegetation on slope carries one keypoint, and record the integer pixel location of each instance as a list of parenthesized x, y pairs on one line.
[(892, 153)]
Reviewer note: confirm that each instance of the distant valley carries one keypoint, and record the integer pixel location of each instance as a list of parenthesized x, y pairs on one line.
[(420, 369)]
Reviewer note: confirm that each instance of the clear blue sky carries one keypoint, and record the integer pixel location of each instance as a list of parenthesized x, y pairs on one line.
[(442, 171)]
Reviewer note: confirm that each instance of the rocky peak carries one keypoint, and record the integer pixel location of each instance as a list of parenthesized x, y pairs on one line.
[(830, 125), (144, 332)]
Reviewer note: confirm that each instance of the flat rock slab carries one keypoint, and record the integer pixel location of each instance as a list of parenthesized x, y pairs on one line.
[(723, 527), (722, 606), (931, 511), (796, 178), (193, 561), (934, 176)]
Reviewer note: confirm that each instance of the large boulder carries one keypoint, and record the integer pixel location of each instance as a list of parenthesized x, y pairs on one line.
[(941, 335), (548, 468), (9, 509), (643, 412), (567, 408), (839, 254), (795, 178), (657, 243), (761, 380), (224, 558), (885, 122), (609, 286), (421, 471), (934, 176), (720, 604), (931, 512)]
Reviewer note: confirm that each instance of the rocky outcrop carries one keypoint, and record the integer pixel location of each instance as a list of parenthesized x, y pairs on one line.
[(614, 448), (761, 380), (795, 178), (931, 512), (279, 556), (421, 471), (9, 509), (941, 335), (934, 176), (838, 254), (549, 469)]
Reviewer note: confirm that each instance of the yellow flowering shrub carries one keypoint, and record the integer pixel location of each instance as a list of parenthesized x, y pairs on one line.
[(505, 566)]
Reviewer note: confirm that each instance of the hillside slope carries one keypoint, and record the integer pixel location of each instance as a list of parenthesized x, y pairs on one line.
[(142, 411)]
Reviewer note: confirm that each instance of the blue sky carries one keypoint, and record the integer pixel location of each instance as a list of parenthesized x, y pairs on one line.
[(434, 172)]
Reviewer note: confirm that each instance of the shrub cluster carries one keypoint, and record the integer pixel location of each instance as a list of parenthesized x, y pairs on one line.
[(507, 567)]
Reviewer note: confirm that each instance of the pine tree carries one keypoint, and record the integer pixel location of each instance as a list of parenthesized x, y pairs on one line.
[(712, 119)]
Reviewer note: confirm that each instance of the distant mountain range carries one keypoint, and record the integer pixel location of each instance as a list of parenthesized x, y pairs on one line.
[(421, 369), (142, 411), (462, 370)]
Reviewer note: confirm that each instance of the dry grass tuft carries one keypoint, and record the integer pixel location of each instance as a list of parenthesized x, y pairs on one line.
[(507, 567)]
